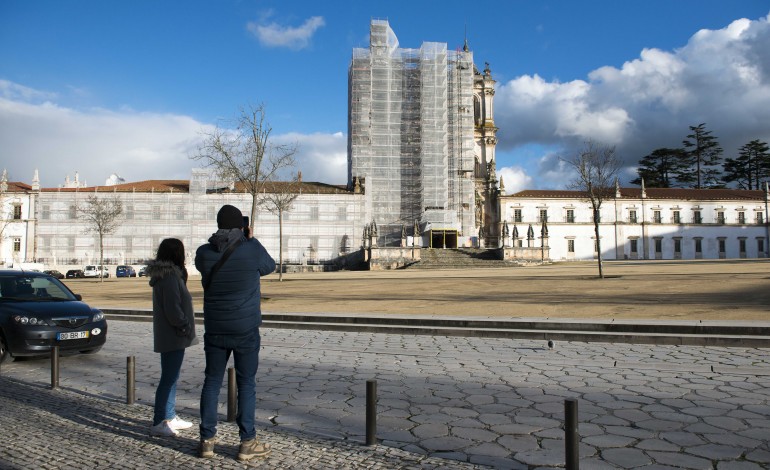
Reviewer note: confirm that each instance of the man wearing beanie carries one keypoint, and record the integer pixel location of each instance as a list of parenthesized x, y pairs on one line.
[(231, 266)]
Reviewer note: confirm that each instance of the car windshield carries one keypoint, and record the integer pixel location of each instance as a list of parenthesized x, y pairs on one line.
[(22, 287)]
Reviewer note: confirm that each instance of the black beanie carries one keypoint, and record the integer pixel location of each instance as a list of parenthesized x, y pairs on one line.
[(229, 217)]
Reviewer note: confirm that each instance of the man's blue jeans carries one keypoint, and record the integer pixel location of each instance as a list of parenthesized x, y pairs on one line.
[(165, 395), (245, 350)]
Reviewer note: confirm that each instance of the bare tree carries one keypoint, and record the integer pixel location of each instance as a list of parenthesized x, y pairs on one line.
[(278, 199), (246, 154), (597, 167), (102, 217)]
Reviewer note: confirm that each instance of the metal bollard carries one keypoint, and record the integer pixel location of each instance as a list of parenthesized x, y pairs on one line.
[(130, 380), (371, 412), (232, 395), (571, 452), (55, 367)]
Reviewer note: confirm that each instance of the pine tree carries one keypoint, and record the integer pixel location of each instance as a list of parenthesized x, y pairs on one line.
[(703, 157), (751, 167), (659, 168)]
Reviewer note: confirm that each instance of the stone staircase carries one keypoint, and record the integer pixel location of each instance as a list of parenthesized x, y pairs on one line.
[(459, 258)]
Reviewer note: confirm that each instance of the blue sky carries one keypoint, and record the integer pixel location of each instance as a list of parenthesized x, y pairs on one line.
[(102, 87)]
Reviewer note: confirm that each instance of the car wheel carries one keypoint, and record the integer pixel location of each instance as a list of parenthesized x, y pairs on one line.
[(91, 351), (3, 348)]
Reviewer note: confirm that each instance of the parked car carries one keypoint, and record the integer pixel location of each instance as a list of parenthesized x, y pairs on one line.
[(96, 271), (143, 271), (38, 312), (74, 274), (125, 271), (54, 273)]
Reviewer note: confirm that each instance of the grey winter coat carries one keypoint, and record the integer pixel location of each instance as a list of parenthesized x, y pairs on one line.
[(172, 311)]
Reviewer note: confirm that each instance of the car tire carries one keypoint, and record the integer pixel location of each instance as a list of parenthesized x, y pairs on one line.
[(3, 348)]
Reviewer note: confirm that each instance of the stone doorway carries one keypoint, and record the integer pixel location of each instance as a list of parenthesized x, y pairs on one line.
[(443, 238)]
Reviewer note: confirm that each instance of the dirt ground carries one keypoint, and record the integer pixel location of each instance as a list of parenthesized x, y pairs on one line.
[(670, 290)]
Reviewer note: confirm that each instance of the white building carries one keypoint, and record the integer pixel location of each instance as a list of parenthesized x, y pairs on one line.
[(324, 223), (17, 221), (656, 223)]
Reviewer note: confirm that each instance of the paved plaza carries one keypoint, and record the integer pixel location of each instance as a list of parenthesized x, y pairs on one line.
[(444, 402)]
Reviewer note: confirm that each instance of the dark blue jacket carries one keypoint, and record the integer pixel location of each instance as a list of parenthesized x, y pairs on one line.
[(231, 304)]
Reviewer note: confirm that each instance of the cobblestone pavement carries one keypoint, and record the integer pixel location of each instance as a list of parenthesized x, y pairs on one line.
[(443, 402)]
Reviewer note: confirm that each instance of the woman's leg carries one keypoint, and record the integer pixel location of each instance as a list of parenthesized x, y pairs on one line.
[(165, 395)]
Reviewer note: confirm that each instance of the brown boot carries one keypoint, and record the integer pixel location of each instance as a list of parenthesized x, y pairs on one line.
[(252, 448)]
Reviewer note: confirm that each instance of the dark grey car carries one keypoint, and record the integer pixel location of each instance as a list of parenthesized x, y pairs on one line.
[(38, 312)]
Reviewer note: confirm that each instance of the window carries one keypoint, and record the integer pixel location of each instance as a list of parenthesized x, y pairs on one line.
[(17, 212), (314, 213), (677, 217), (129, 212), (760, 218), (696, 217), (741, 217), (632, 217), (656, 217), (634, 245), (720, 217), (742, 245), (45, 214), (342, 213), (543, 215), (16, 244), (570, 215), (71, 243), (658, 245), (517, 215), (73, 212), (698, 245), (722, 245), (677, 245), (129, 244), (760, 245), (155, 212), (570, 246), (179, 212)]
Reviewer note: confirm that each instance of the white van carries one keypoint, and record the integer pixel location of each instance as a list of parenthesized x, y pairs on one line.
[(92, 270)]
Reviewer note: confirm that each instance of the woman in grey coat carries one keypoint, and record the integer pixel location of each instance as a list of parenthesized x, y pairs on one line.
[(173, 331)]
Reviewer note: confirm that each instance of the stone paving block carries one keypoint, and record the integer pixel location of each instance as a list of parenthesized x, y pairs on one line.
[(715, 451), (680, 460), (609, 441), (626, 458)]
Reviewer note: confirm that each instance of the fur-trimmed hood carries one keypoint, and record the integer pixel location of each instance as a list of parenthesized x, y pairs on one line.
[(159, 269)]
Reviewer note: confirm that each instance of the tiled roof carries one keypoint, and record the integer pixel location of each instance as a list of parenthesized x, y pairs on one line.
[(652, 193), (18, 187), (183, 186)]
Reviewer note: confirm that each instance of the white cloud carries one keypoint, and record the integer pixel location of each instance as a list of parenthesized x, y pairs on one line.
[(320, 157), (275, 35), (98, 143), (515, 179), (720, 77)]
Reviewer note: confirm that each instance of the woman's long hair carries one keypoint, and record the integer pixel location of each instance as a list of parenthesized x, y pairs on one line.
[(172, 249)]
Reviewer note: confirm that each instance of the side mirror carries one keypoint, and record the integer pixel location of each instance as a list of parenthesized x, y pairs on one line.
[(78, 297)]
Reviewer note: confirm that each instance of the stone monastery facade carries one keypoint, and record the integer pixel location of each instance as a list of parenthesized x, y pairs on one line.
[(421, 175)]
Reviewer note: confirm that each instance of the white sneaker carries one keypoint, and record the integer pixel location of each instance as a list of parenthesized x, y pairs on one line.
[(178, 423), (163, 429)]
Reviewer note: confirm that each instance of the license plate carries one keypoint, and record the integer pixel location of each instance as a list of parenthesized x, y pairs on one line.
[(73, 335)]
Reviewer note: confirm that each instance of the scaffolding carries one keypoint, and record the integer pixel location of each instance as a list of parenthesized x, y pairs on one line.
[(411, 134)]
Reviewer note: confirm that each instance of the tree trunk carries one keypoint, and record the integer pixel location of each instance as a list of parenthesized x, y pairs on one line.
[(252, 220), (598, 245), (280, 244), (101, 257)]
